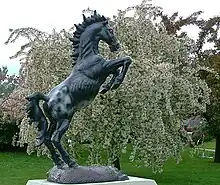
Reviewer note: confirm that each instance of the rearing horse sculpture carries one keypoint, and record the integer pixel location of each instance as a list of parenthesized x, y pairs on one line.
[(79, 88)]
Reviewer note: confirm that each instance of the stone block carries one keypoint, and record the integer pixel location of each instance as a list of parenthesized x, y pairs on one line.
[(131, 181)]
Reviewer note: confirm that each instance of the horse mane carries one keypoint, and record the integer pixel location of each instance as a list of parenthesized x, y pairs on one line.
[(80, 28)]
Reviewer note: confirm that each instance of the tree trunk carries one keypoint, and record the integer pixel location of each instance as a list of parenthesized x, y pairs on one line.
[(217, 149), (116, 163)]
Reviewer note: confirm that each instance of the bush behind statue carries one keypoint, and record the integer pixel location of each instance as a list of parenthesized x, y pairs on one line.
[(8, 129), (8, 126)]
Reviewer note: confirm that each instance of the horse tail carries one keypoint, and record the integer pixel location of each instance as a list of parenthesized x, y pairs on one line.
[(36, 115)]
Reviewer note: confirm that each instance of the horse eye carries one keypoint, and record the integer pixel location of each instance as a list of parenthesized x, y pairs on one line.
[(111, 30)]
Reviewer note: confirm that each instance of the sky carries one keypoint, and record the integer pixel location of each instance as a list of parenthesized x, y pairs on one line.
[(48, 14)]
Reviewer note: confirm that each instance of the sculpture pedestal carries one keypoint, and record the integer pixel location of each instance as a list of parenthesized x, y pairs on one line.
[(131, 181)]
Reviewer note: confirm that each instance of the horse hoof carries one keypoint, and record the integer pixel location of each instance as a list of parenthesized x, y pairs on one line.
[(115, 86), (73, 164), (61, 165), (103, 90)]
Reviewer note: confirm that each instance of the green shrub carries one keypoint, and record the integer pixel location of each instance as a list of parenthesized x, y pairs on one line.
[(208, 137), (8, 129)]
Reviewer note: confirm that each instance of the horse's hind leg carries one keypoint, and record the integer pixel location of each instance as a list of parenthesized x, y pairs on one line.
[(62, 127), (55, 156)]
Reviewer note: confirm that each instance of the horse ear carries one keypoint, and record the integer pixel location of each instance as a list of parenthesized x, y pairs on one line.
[(103, 18), (105, 22), (84, 17), (28, 98), (95, 13)]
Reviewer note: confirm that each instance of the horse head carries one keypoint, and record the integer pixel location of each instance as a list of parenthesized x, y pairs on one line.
[(107, 35), (90, 32)]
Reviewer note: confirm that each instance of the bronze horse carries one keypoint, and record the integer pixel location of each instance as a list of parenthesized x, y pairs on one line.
[(80, 88)]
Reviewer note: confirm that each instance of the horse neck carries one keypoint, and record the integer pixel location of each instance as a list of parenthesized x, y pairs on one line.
[(88, 47)]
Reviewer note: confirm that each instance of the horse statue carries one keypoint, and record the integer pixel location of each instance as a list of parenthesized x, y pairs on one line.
[(79, 89)]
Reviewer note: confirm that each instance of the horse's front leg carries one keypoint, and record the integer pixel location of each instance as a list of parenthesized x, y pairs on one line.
[(111, 65), (108, 86)]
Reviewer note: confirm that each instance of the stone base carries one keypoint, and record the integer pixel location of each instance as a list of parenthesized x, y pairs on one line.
[(131, 181), (85, 174)]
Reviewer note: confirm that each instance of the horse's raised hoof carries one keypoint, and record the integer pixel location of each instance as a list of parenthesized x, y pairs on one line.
[(104, 89), (116, 85)]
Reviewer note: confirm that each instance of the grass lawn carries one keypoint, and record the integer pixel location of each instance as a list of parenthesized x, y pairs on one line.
[(18, 168)]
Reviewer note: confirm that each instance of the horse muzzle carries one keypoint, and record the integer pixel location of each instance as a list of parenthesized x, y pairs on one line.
[(114, 47)]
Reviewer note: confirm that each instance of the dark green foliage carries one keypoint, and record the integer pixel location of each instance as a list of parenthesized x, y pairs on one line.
[(211, 58), (209, 33), (175, 22), (8, 129), (207, 137)]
